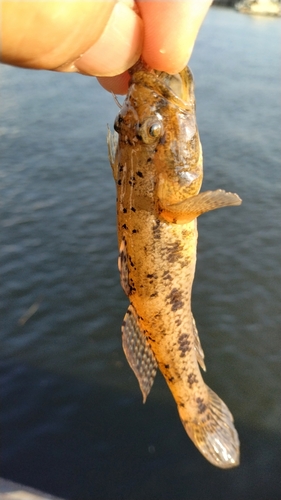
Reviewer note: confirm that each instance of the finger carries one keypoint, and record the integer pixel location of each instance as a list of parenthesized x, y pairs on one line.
[(170, 32), (116, 84), (50, 35), (119, 46)]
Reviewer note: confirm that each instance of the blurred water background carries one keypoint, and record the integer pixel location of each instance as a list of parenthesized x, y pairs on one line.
[(73, 422)]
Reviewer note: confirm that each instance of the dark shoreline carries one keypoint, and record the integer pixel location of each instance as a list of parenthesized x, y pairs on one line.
[(224, 3)]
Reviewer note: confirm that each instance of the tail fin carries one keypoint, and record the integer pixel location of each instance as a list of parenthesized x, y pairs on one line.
[(214, 433)]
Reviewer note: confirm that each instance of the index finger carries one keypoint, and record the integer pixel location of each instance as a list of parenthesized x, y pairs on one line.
[(170, 30)]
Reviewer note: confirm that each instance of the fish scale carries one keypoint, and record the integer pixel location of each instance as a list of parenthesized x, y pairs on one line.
[(158, 169)]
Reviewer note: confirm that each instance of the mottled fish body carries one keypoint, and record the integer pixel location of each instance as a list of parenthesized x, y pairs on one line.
[(158, 169)]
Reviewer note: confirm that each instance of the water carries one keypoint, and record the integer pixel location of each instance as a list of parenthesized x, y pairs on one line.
[(72, 418)]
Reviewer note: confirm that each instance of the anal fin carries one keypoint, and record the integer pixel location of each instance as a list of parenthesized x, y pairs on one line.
[(197, 345), (187, 210), (138, 352)]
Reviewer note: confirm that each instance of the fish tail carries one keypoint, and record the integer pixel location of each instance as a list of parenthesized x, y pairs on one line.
[(213, 432)]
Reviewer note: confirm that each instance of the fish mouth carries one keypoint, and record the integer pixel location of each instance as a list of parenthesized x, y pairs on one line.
[(177, 88)]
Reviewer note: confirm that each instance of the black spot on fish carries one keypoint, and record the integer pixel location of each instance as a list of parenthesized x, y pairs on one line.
[(167, 366), (132, 286), (131, 262), (175, 299), (120, 167), (119, 182), (162, 139), (132, 181), (150, 275), (148, 160), (191, 379), (133, 209), (124, 210), (183, 337), (171, 379), (155, 294), (140, 174), (201, 405), (167, 276), (125, 226), (178, 322), (184, 262), (135, 231), (182, 405), (184, 344), (174, 252)]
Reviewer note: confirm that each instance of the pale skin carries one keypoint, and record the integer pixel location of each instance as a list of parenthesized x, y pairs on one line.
[(101, 38)]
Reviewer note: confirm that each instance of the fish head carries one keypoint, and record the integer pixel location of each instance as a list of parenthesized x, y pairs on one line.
[(158, 120)]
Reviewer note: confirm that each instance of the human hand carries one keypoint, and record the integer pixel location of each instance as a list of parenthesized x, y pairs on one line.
[(102, 38)]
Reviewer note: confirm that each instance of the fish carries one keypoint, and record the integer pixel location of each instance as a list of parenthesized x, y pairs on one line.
[(156, 158)]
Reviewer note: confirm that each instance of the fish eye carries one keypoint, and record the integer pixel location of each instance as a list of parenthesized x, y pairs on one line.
[(150, 130), (156, 129)]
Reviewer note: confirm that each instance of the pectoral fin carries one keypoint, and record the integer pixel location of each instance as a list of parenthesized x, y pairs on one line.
[(187, 210), (138, 352), (112, 140)]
